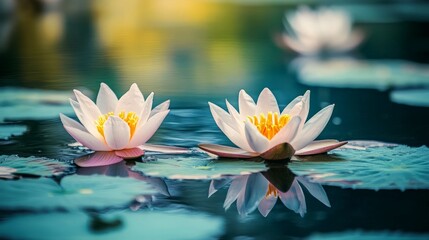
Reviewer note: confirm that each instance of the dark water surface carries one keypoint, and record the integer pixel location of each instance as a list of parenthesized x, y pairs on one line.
[(195, 52)]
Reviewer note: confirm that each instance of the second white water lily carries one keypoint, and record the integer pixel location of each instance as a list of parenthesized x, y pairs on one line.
[(260, 129), (116, 127)]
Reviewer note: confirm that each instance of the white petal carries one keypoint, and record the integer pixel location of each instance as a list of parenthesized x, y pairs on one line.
[(222, 116), (87, 139), (71, 123), (90, 113), (258, 142), (146, 131), (294, 199), (267, 102), (236, 187), (131, 101), (292, 104), (313, 128), (225, 151), (116, 133), (161, 107), (320, 146), (246, 105), (106, 99), (287, 133), (147, 107), (233, 112), (316, 190)]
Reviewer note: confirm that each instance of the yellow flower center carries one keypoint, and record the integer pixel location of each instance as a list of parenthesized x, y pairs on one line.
[(130, 118), (271, 124), (272, 191)]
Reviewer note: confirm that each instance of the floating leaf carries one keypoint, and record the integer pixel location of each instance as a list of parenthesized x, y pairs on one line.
[(351, 73), (195, 166), (126, 225), (412, 97), (38, 166), (383, 167), (368, 236), (74, 192), (6, 131)]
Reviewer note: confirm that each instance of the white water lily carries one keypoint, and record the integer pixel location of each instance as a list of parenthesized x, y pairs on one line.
[(260, 129), (118, 127), (312, 31)]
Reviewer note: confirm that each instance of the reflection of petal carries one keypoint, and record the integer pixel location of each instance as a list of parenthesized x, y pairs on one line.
[(254, 192), (266, 205), (217, 184), (320, 146), (294, 199), (227, 152), (97, 159), (129, 153), (316, 190), (236, 187)]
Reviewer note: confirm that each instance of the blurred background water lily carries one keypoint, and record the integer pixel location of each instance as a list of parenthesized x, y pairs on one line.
[(115, 127), (310, 32), (260, 129), (261, 190)]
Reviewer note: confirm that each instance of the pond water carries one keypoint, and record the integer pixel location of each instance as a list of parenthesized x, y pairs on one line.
[(194, 52)]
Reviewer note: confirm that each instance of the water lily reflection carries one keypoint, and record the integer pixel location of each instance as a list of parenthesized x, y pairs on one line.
[(310, 32), (114, 126), (261, 190), (260, 129)]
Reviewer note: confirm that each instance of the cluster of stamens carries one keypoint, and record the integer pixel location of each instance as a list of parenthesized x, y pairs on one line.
[(130, 118), (271, 124)]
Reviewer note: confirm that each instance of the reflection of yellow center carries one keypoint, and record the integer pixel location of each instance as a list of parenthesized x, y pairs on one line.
[(271, 124), (272, 191), (130, 118)]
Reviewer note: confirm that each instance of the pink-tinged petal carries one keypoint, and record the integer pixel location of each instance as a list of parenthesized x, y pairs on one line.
[(294, 199), (76, 107), (287, 133), (267, 102), (246, 105), (106, 99), (303, 45), (90, 113), (236, 188), (116, 133), (256, 188), (279, 152), (316, 190), (233, 112), (266, 205), (320, 146), (87, 139), (292, 104), (131, 101), (217, 184), (147, 108), (353, 40), (97, 159), (258, 142), (313, 128), (161, 107), (71, 123), (226, 152), (146, 131), (129, 153), (163, 149)]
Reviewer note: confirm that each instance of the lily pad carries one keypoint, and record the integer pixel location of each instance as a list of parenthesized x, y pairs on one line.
[(73, 192), (351, 73), (384, 167), (126, 225), (369, 236), (7, 131), (195, 166), (412, 97), (38, 166)]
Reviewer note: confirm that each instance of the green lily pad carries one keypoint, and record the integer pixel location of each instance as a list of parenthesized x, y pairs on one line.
[(369, 235), (125, 225), (412, 97), (383, 167), (95, 191), (196, 166), (7, 131), (351, 73), (38, 166)]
